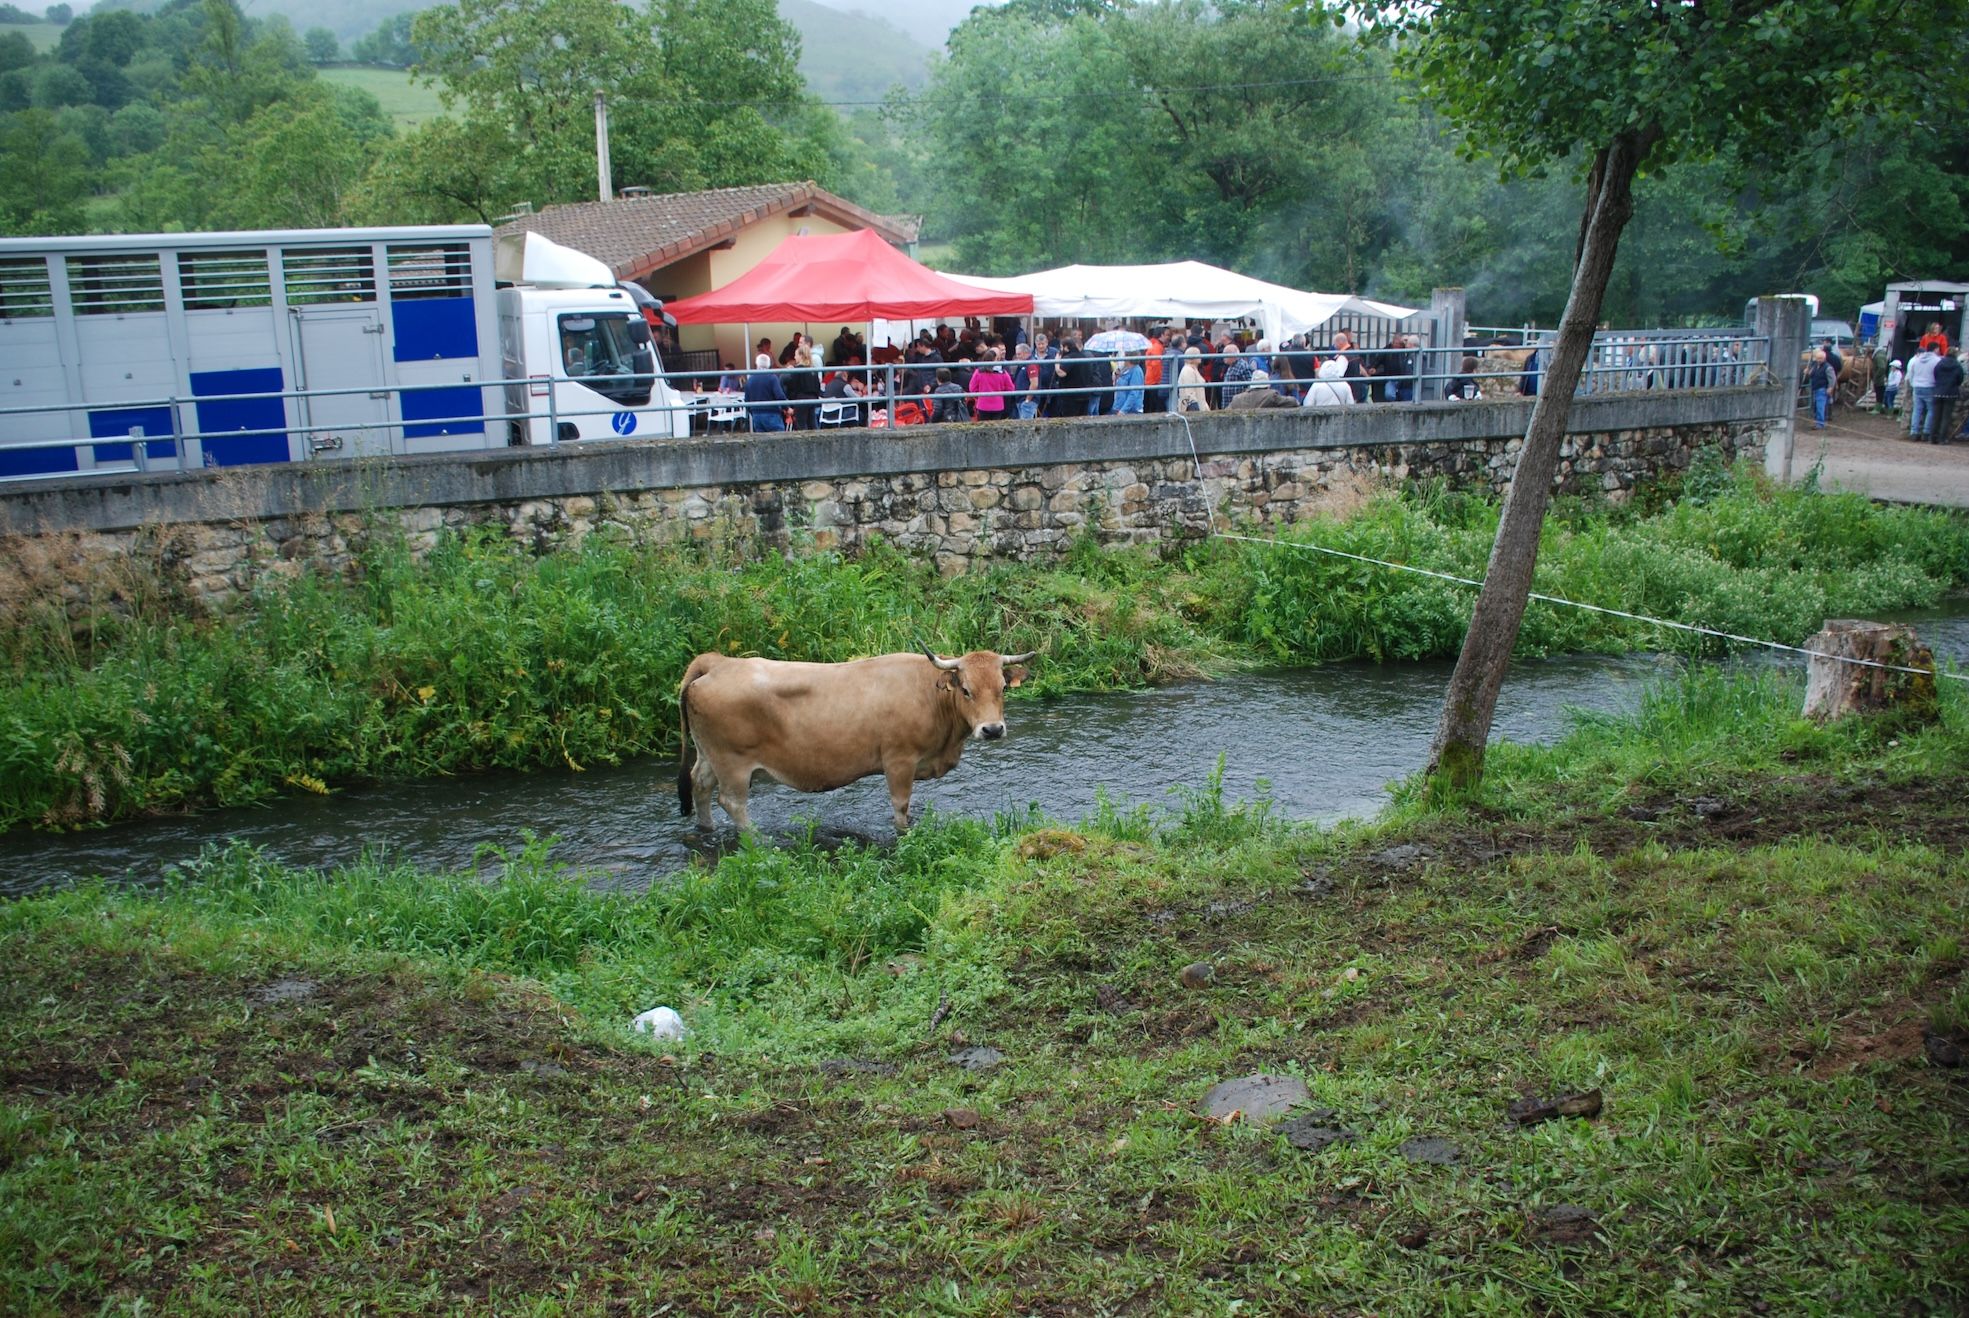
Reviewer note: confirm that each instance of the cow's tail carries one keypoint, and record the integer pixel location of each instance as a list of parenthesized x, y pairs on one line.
[(687, 753)]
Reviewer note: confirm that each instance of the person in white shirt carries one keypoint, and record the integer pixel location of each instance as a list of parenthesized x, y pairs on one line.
[(1921, 379), (1329, 387)]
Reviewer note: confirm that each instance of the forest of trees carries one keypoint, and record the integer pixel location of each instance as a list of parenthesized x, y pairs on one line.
[(1244, 132)]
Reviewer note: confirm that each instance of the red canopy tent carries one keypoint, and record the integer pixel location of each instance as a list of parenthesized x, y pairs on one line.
[(842, 277)]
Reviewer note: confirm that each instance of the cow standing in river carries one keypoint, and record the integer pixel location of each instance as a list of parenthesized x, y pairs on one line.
[(816, 727)]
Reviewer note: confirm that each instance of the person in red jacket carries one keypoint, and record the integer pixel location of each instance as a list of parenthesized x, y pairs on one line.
[(1934, 338), (1156, 400)]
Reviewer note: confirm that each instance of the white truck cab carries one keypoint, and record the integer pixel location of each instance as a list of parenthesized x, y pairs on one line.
[(582, 347)]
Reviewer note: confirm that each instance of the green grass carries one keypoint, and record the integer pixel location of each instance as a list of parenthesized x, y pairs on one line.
[(44, 36), (482, 655), (253, 1089), (408, 104)]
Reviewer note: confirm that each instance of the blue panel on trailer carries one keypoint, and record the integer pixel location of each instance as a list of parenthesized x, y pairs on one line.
[(35, 461), (217, 413), (432, 327), (117, 422), (439, 412)]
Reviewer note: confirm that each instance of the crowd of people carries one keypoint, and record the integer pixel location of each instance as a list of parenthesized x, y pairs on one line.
[(993, 373), (1933, 379), (982, 373), (1926, 388)]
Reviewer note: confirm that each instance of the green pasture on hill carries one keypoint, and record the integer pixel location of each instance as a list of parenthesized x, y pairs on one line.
[(407, 103), (259, 1090), (44, 36)]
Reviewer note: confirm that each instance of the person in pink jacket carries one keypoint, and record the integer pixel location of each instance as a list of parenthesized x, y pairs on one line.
[(991, 384)]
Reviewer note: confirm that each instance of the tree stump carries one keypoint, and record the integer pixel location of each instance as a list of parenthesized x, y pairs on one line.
[(1834, 689)]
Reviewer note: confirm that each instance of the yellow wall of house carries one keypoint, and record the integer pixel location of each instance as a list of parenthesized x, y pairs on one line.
[(708, 270)]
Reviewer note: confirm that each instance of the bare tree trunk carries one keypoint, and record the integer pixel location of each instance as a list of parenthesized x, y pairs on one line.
[(1456, 760)]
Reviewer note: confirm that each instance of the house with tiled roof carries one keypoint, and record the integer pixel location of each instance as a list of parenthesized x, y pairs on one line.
[(680, 243)]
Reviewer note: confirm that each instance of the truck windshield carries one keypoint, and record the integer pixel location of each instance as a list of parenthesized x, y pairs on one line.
[(611, 353)]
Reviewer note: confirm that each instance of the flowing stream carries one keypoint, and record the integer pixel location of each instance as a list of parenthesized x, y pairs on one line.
[(1327, 741)]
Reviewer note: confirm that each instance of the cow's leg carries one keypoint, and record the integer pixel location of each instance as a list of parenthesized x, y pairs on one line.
[(704, 783), (734, 790), (902, 778)]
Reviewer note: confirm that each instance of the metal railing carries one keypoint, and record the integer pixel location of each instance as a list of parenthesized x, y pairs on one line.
[(1626, 361), (880, 393)]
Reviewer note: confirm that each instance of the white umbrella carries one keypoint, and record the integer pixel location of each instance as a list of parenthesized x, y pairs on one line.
[(1117, 340)]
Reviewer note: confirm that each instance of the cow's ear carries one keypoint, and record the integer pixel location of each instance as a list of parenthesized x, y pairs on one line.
[(1014, 676)]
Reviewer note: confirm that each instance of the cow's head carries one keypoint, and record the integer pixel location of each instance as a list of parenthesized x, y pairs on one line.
[(977, 683)]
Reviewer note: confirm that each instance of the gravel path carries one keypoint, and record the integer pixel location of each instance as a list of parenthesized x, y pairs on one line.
[(1869, 454)]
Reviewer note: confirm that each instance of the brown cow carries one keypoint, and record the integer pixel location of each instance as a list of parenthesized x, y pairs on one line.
[(816, 727)]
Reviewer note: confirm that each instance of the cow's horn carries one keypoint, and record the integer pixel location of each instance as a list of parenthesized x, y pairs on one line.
[(1008, 660), (948, 665)]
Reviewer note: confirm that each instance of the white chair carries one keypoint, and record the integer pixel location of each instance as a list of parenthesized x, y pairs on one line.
[(728, 415), (839, 412)]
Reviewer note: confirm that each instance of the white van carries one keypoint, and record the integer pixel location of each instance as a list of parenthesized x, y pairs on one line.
[(590, 367), (582, 346)]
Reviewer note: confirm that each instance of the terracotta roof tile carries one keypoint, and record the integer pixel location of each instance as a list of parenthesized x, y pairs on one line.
[(636, 235)]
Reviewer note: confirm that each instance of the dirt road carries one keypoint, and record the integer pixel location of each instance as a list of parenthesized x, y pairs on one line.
[(1870, 455)]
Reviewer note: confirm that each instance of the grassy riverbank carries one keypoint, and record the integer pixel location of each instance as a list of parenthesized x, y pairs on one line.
[(483, 656), (254, 1089)]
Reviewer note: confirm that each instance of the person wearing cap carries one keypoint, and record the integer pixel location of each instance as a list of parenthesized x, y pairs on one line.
[(1890, 384), (1258, 395), (765, 398)]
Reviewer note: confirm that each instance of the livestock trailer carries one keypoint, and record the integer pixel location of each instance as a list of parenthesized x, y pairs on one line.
[(218, 349)]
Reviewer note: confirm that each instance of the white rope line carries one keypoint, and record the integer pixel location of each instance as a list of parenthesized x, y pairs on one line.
[(1830, 426), (1600, 608), (1196, 461)]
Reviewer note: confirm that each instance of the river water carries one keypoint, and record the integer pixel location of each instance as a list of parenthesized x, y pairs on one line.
[(1328, 741)]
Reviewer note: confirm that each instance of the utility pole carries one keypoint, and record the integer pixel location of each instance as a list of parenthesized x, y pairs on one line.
[(601, 145)]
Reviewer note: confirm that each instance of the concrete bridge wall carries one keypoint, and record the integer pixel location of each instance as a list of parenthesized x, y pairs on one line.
[(962, 494)]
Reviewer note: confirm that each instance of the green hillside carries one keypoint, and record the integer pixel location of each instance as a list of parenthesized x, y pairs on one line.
[(854, 56), (927, 22), (407, 103), (845, 56)]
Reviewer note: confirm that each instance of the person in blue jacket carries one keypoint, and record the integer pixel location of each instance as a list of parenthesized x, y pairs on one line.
[(1128, 388), (764, 397)]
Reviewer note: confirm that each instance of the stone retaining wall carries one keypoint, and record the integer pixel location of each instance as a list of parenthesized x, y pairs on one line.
[(961, 494)]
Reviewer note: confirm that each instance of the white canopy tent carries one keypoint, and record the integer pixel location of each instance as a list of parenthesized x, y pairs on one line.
[(1181, 290)]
